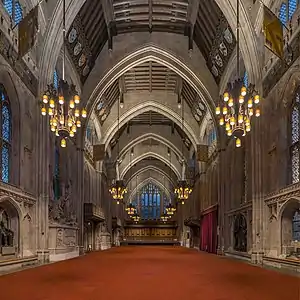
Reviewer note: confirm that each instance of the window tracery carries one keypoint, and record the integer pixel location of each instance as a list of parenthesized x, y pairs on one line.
[(5, 137), (296, 226), (149, 202), (294, 137), (287, 10), (14, 9)]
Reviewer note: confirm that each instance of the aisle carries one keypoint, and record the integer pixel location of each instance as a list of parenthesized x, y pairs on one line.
[(147, 273)]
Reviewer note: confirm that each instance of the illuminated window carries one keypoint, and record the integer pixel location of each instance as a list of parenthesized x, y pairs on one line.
[(55, 79), (292, 7), (294, 134), (5, 135), (245, 79), (150, 199), (14, 10), (283, 13)]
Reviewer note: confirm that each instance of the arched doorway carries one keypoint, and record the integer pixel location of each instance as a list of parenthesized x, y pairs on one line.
[(9, 229)]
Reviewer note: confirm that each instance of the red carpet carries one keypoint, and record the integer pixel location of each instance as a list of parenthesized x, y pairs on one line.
[(148, 273)]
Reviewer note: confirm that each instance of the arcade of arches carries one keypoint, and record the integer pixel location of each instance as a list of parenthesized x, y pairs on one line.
[(149, 74)]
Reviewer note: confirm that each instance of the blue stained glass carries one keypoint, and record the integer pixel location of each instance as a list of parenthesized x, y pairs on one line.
[(292, 8), (8, 4), (5, 163), (282, 14), (295, 124), (296, 226), (5, 123), (245, 79), (55, 79), (18, 12), (2, 96)]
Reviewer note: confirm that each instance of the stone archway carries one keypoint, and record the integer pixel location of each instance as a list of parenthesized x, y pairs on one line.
[(10, 229)]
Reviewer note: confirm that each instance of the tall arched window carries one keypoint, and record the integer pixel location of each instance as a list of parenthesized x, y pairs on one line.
[(56, 176), (294, 139), (150, 199), (55, 79), (287, 10), (5, 135)]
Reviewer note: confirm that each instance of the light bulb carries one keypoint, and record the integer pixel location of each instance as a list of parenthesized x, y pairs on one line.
[(229, 132), (257, 112), (238, 143), (53, 128), (63, 143), (218, 110), (227, 126), (76, 99), (250, 112), (44, 111), (240, 119), (232, 121), (77, 113), (250, 103), (74, 129), (70, 123), (71, 134), (230, 102), (226, 97), (121, 104), (61, 100), (247, 121), (179, 105), (54, 122), (248, 128), (243, 91), (62, 120), (256, 99), (221, 122), (45, 99), (50, 111), (51, 103), (224, 110), (72, 104), (241, 99), (83, 113), (78, 124), (56, 133)]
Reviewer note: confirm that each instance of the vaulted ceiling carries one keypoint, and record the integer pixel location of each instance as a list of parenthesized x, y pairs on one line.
[(99, 21)]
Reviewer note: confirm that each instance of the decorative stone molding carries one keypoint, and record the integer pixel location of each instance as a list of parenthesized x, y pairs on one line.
[(17, 194), (282, 195)]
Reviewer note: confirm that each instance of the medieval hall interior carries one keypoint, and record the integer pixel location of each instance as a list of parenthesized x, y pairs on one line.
[(146, 142)]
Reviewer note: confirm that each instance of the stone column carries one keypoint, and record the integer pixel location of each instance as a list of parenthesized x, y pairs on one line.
[(43, 185)]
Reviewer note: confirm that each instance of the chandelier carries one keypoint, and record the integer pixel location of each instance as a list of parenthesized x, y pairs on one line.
[(135, 217), (183, 191), (239, 103), (63, 105), (164, 217), (238, 106), (117, 190), (130, 209), (170, 210)]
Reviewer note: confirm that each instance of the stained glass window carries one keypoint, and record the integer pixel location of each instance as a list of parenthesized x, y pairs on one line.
[(5, 135), (296, 226), (212, 136), (294, 150), (245, 79), (292, 8), (55, 79), (14, 10), (150, 201), (283, 13)]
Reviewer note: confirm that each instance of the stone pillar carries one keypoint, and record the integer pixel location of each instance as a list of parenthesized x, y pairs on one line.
[(43, 185)]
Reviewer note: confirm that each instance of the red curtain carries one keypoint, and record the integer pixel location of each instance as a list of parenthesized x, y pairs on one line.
[(208, 236)]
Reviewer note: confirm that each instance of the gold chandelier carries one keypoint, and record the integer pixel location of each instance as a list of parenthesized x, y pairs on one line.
[(239, 103), (237, 108), (118, 190), (170, 210), (63, 107), (135, 217), (183, 191), (164, 217), (130, 209)]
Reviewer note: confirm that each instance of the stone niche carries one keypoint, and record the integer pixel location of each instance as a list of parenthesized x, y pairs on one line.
[(63, 242)]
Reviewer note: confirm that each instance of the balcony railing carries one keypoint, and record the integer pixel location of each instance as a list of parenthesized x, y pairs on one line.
[(93, 212)]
